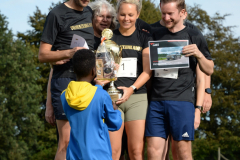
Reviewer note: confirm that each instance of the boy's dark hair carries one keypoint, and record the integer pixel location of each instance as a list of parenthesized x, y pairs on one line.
[(83, 62)]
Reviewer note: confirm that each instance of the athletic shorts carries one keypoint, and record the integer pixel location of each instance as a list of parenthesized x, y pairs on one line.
[(57, 86), (135, 108), (175, 117)]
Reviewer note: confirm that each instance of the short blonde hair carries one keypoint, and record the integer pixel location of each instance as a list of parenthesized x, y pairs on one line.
[(138, 4)]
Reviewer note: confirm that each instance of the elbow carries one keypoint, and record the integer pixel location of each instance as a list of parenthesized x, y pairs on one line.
[(41, 57)]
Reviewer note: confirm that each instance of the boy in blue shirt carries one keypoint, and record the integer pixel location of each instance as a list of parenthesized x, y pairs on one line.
[(89, 111)]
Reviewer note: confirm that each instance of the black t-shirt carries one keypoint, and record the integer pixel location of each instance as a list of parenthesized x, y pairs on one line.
[(181, 89), (97, 42), (132, 47), (155, 26), (61, 23)]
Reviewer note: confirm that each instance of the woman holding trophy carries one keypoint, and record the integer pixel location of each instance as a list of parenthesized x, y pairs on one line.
[(134, 71)]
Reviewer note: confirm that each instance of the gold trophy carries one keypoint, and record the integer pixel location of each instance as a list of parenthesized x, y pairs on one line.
[(106, 70)]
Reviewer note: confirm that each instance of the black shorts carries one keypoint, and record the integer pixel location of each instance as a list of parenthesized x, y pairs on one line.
[(57, 86)]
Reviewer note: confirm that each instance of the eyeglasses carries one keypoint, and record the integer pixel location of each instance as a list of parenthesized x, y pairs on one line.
[(108, 18)]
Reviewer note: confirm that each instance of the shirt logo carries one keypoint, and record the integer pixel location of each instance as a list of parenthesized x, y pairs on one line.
[(81, 26), (185, 135), (136, 48)]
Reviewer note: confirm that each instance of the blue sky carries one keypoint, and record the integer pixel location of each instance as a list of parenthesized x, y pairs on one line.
[(18, 11)]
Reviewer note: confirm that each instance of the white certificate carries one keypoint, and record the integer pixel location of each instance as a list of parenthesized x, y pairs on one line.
[(166, 73), (128, 67), (78, 41)]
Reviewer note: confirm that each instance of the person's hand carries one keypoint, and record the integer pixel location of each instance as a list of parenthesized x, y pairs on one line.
[(207, 103), (116, 66), (192, 50), (197, 118), (115, 107), (74, 50), (49, 114), (61, 62), (101, 82), (145, 30), (127, 92)]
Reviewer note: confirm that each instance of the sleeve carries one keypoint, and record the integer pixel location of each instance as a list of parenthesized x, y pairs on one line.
[(203, 43), (112, 117), (50, 30), (140, 24), (203, 47), (146, 38)]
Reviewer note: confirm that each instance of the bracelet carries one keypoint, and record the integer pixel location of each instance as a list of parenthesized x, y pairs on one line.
[(102, 85)]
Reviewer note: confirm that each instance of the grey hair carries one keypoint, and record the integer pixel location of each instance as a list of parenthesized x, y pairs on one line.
[(138, 3), (98, 5)]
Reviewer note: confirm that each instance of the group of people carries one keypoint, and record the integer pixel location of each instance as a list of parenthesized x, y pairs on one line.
[(153, 109)]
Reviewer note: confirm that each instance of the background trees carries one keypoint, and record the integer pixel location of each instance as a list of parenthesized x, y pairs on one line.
[(19, 97), (24, 133)]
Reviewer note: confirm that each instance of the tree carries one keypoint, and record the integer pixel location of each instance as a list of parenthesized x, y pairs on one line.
[(19, 97), (150, 13), (220, 127)]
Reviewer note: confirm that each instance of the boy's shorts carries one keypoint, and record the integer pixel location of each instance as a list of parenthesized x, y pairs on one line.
[(57, 86), (135, 108), (175, 117)]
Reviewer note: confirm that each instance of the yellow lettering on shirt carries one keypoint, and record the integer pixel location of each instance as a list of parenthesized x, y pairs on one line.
[(81, 26), (136, 48)]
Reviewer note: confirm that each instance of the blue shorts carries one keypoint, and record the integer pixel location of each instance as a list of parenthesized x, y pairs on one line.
[(57, 86), (175, 117)]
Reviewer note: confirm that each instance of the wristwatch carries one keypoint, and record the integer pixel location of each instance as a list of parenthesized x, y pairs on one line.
[(134, 88), (208, 90), (199, 107)]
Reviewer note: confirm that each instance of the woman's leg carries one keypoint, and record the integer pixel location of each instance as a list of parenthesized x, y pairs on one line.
[(116, 142), (64, 136), (135, 133)]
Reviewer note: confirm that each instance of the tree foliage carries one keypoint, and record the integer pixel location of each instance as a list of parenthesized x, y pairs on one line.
[(220, 127), (19, 97)]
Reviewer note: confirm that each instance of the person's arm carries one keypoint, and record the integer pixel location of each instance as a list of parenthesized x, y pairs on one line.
[(112, 117), (200, 81), (207, 103), (46, 55), (141, 80), (49, 113), (204, 64)]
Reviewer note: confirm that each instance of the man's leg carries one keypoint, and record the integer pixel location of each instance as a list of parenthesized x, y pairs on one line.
[(157, 130), (64, 135), (156, 148), (174, 150), (183, 149)]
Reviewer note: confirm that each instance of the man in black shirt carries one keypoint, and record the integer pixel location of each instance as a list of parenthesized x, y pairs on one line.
[(62, 22), (207, 97), (171, 109)]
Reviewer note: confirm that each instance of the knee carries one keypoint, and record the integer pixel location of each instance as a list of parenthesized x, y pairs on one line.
[(153, 152), (63, 144), (116, 153), (184, 154)]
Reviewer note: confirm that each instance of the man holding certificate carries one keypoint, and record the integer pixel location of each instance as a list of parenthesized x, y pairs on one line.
[(178, 56)]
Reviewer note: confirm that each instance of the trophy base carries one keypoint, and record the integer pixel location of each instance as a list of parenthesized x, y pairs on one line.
[(115, 97)]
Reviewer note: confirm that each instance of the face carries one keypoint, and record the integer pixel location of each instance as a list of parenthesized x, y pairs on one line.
[(127, 15), (102, 21), (171, 15), (81, 3)]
